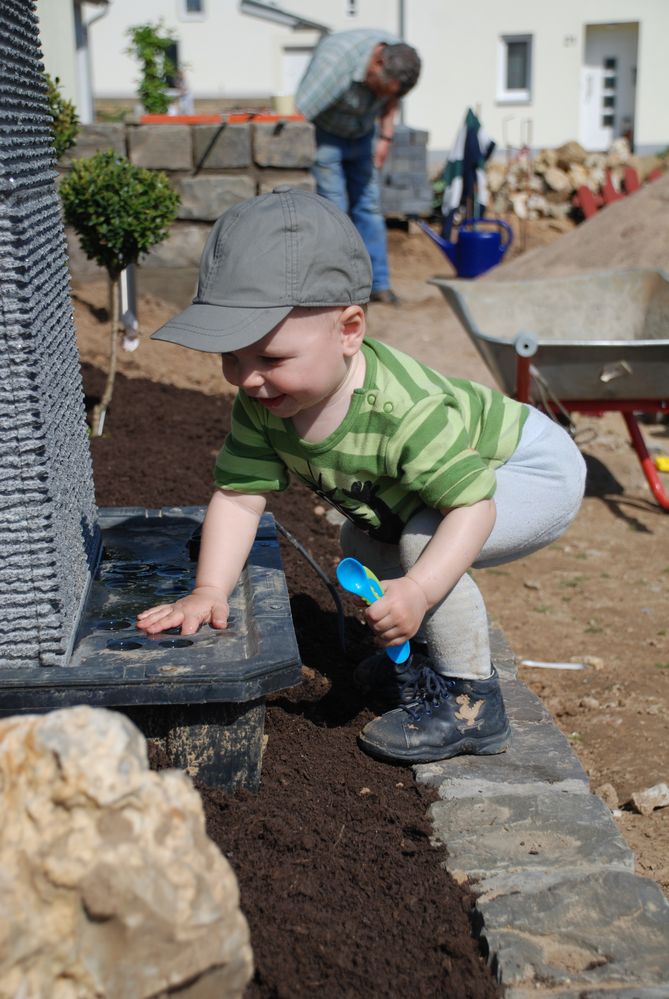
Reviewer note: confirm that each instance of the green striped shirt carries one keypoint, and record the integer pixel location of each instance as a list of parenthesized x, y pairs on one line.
[(411, 438)]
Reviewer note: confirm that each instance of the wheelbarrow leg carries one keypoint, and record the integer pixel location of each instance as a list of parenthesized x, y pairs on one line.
[(647, 465)]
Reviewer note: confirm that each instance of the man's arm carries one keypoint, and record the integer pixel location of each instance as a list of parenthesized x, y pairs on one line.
[(325, 80), (386, 133), (228, 534), (451, 551)]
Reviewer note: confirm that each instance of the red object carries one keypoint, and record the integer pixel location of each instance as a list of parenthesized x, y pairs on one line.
[(627, 407), (655, 174), (631, 181), (214, 119), (587, 201), (609, 193)]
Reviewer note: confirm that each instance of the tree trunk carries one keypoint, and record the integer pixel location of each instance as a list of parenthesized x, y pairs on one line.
[(100, 410)]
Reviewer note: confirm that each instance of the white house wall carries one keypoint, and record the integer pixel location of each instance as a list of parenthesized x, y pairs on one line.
[(56, 28), (459, 43), (232, 55), (228, 54)]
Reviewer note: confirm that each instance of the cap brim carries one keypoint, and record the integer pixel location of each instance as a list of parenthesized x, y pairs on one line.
[(219, 328)]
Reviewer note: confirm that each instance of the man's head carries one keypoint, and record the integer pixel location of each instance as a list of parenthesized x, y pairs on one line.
[(393, 70), (263, 258)]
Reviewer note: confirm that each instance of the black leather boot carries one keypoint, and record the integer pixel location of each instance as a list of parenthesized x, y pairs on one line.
[(390, 684), (449, 717)]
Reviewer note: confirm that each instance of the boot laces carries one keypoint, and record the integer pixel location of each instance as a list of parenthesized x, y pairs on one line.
[(431, 689)]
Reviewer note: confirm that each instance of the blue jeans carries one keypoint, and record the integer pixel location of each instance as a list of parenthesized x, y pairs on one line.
[(344, 173)]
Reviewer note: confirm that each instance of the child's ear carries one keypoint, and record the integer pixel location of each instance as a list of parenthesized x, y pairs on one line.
[(352, 325)]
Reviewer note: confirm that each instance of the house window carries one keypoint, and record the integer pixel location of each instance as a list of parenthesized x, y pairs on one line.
[(191, 10), (514, 70)]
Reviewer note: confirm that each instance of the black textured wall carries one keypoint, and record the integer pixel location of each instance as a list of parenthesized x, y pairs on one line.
[(48, 528)]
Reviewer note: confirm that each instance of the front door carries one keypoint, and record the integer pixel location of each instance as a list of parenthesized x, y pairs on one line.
[(608, 84)]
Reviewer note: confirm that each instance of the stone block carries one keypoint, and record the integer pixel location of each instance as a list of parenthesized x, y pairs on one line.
[(269, 179), (522, 705), (516, 832), (503, 655), (161, 147), (182, 248), (608, 929), (284, 144), (538, 753), (94, 139), (479, 788), (662, 992), (205, 198), (79, 263), (221, 147)]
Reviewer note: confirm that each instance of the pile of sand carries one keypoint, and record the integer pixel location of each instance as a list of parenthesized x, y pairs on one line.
[(632, 232)]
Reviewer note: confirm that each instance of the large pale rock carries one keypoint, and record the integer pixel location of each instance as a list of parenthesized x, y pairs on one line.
[(109, 886), (570, 152), (557, 180), (619, 152), (578, 176), (495, 176), (653, 797)]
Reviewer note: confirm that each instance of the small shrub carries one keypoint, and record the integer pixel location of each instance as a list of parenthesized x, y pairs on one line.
[(65, 118), (119, 212), (150, 45)]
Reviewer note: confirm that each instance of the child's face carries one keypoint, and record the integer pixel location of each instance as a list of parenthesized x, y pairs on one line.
[(300, 363)]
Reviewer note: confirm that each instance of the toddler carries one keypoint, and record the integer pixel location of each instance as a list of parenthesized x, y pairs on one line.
[(434, 475)]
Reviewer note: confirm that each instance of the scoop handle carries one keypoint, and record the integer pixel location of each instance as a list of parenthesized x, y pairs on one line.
[(397, 653)]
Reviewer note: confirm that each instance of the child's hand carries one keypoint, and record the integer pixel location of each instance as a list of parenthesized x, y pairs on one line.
[(397, 616), (205, 605)]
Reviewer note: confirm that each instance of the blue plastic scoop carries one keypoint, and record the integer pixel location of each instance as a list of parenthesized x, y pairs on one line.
[(361, 581)]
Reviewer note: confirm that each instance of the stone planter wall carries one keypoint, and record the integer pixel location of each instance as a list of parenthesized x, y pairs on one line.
[(211, 167)]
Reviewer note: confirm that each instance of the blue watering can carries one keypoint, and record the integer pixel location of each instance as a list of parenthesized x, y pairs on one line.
[(477, 249)]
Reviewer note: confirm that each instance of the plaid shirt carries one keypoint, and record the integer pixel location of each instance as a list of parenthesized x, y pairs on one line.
[(332, 93)]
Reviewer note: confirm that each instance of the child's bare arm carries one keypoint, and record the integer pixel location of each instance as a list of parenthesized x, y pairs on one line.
[(454, 547), (228, 533)]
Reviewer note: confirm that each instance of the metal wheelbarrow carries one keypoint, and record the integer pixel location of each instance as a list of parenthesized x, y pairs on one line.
[(592, 343)]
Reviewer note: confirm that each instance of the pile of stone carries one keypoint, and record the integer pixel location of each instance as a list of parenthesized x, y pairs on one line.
[(543, 186), (109, 885)]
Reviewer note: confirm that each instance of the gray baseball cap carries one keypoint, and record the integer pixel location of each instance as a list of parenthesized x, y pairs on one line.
[(265, 256)]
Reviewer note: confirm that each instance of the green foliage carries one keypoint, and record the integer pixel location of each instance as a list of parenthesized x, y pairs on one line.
[(118, 210), (149, 45), (65, 118), (438, 188)]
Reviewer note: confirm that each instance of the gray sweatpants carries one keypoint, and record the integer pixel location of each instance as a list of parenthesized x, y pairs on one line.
[(539, 492)]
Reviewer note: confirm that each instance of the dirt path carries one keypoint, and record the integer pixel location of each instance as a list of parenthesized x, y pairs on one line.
[(598, 596)]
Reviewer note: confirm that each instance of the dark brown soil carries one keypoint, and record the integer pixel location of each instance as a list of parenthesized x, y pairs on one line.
[(342, 889)]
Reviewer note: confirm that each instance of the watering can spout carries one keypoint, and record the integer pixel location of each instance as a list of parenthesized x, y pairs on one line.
[(444, 245)]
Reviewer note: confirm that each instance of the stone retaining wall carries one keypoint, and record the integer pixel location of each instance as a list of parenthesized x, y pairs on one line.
[(211, 166)]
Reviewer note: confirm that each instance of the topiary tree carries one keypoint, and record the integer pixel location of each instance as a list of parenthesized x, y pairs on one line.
[(119, 212), (65, 117), (150, 46)]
